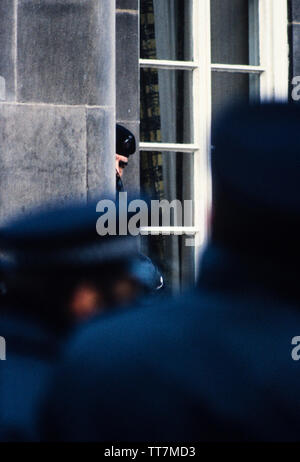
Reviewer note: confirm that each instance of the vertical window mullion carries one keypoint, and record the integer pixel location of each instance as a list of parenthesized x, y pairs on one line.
[(273, 19), (202, 120), (254, 49), (280, 50), (265, 26)]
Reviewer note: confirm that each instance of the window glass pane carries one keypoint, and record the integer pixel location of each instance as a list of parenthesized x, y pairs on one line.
[(167, 175), (234, 32), (166, 29), (231, 89), (166, 106), (173, 257)]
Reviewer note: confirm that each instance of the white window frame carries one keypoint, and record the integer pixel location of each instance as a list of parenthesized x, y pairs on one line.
[(271, 29)]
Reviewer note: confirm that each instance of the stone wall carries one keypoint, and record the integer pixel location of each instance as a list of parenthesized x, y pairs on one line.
[(127, 80), (57, 101)]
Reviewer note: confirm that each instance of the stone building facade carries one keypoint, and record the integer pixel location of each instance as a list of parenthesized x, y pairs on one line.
[(57, 108)]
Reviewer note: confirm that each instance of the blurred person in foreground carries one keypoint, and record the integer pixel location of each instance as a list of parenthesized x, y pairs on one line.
[(58, 272), (216, 364)]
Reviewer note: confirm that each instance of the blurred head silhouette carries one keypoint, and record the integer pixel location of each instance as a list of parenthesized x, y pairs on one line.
[(256, 178), (60, 270)]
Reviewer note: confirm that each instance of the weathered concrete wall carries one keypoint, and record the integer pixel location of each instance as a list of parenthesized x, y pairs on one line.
[(57, 110), (127, 81)]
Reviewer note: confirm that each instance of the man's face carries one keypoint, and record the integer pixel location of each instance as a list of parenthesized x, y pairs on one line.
[(89, 299), (121, 162)]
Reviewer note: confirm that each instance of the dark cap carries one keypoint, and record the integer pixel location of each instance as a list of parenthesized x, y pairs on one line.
[(125, 141)]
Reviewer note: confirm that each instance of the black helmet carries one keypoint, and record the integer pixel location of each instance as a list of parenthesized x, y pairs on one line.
[(125, 141)]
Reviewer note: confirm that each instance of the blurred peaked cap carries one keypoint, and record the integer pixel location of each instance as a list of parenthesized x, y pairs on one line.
[(60, 226), (146, 272), (125, 141), (62, 235), (257, 155)]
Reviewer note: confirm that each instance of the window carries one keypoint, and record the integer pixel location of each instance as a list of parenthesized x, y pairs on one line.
[(196, 57)]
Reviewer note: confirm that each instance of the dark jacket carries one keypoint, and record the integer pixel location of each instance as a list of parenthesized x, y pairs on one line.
[(31, 353), (214, 365)]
